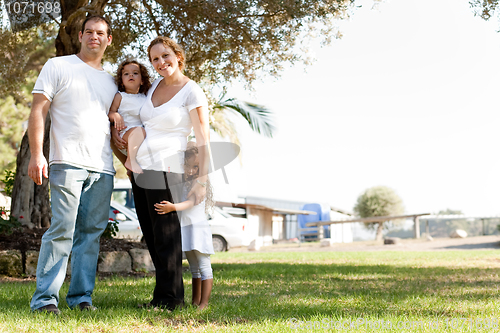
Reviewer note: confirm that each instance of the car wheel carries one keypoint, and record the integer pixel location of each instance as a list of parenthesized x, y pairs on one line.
[(220, 244)]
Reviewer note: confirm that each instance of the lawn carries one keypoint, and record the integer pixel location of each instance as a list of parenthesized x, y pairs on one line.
[(447, 291)]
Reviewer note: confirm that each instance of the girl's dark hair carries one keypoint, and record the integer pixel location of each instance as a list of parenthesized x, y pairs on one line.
[(146, 79), (209, 197)]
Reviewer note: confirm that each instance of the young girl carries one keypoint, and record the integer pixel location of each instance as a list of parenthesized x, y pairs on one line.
[(195, 230), (132, 79)]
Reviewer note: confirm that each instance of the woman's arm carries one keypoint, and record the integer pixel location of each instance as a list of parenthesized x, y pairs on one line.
[(199, 119)]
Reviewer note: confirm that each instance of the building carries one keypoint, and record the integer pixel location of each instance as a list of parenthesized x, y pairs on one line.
[(273, 220)]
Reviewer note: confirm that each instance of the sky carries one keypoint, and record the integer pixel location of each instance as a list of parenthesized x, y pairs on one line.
[(408, 99)]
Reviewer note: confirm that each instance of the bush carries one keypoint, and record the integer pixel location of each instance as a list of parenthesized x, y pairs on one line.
[(111, 229), (8, 182), (7, 223)]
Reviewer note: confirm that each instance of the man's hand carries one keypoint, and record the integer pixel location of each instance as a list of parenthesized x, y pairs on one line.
[(38, 166)]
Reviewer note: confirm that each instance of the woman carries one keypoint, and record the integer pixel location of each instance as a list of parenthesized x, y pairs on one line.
[(173, 107)]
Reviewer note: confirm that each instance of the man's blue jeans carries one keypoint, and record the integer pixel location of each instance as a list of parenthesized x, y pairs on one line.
[(80, 209)]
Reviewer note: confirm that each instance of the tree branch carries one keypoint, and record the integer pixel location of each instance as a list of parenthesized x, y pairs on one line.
[(150, 11)]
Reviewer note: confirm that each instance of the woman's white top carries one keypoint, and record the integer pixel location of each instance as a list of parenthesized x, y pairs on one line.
[(167, 128), (129, 109), (195, 230)]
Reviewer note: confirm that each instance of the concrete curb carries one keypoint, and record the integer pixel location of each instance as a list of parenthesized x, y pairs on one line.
[(14, 263), (11, 263)]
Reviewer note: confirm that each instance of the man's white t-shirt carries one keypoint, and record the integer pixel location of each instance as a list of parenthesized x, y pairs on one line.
[(80, 98)]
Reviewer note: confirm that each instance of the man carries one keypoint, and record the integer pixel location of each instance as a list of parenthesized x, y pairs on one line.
[(78, 93)]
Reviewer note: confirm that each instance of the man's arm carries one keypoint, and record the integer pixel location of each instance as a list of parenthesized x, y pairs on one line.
[(38, 164)]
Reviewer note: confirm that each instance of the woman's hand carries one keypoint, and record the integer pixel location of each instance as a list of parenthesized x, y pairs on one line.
[(164, 207), (198, 191), (119, 142)]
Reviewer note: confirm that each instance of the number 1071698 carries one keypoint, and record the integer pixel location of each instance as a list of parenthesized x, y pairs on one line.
[(33, 7)]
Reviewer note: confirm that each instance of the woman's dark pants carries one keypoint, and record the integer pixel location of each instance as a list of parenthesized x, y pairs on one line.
[(162, 233)]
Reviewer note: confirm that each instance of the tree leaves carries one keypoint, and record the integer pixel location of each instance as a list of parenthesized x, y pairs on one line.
[(258, 116), (379, 201)]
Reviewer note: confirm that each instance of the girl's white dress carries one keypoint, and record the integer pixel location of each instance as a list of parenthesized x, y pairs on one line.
[(129, 109), (195, 230)]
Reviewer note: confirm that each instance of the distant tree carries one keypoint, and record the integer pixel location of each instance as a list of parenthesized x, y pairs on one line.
[(444, 227), (22, 56), (379, 201), (448, 211), (12, 116)]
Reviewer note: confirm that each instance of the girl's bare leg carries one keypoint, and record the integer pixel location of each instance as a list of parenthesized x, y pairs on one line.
[(135, 137), (196, 295), (206, 290)]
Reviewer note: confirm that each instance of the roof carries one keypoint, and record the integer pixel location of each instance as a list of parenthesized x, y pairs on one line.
[(292, 205), (262, 207)]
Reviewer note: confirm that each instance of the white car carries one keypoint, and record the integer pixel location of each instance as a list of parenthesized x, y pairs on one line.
[(122, 193), (227, 231), (128, 224)]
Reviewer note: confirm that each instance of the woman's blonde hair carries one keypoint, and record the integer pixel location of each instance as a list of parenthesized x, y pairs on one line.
[(167, 42)]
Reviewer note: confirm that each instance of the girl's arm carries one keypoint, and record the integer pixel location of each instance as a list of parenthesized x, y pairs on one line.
[(165, 207), (113, 115), (116, 141), (199, 119)]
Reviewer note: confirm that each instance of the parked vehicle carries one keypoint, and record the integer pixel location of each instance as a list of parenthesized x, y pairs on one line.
[(122, 194), (227, 231), (128, 224)]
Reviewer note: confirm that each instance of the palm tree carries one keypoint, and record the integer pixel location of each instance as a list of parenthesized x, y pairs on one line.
[(258, 117)]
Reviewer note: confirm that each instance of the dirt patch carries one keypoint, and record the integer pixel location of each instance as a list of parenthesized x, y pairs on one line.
[(437, 244), (25, 239)]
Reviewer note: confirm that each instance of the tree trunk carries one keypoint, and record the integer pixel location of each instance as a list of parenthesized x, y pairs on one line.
[(379, 231), (72, 17), (30, 202)]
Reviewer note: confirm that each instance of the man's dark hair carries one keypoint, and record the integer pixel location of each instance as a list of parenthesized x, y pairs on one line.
[(97, 18)]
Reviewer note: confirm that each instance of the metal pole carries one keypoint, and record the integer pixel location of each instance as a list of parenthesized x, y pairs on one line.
[(416, 227)]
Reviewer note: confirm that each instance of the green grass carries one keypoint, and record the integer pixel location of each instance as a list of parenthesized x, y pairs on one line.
[(256, 292)]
